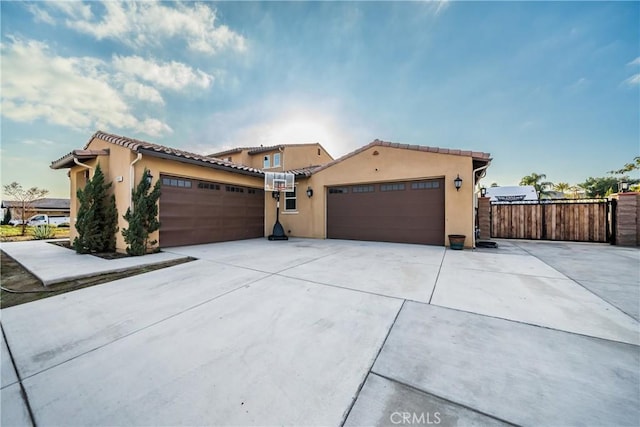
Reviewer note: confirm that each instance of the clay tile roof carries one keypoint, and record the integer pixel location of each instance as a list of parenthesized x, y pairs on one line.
[(261, 149), (173, 153), (476, 155), (307, 171), (66, 161)]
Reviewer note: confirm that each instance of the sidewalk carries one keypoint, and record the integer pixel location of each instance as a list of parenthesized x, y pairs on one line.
[(54, 264)]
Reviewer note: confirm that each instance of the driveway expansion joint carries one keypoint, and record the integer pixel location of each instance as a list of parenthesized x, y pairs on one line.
[(462, 405), (23, 392), (364, 380)]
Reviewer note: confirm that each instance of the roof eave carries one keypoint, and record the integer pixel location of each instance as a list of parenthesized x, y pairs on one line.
[(67, 161), (169, 156)]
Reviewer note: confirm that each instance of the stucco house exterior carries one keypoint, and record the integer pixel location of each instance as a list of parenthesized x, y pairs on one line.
[(383, 191)]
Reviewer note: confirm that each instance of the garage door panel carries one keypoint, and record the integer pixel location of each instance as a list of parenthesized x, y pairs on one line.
[(405, 215), (209, 212)]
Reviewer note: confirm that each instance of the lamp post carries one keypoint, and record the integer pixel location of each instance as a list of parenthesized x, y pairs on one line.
[(623, 186)]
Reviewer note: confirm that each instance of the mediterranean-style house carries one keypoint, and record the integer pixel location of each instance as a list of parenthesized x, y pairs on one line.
[(381, 192)]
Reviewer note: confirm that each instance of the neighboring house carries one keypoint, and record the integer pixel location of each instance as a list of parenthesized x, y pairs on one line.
[(515, 193), (382, 191), (47, 206)]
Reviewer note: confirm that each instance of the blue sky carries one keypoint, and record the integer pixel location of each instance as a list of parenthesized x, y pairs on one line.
[(546, 87)]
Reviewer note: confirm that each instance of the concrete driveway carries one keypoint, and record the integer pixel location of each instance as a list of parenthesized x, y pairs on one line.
[(326, 332)]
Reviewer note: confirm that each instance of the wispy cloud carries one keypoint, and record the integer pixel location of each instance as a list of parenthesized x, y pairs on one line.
[(633, 80), (635, 61), (75, 92), (170, 75), (40, 14), (148, 23), (37, 142), (438, 6)]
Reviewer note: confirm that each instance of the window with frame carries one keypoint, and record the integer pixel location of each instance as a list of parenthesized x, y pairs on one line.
[(174, 182), (276, 160), (391, 187), (290, 200), (338, 190), (425, 185), (266, 162), (362, 189)]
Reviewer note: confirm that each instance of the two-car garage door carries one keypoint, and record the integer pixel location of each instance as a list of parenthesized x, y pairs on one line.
[(193, 211), (405, 212)]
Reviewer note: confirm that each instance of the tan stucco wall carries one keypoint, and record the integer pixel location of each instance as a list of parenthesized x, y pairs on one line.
[(391, 164), (305, 156), (292, 157), (117, 164)]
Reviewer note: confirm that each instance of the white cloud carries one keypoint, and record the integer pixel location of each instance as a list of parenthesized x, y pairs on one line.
[(149, 23), (75, 92), (37, 142), (635, 61), (73, 9), (171, 75), (633, 80), (142, 92), (39, 14), (154, 127), (438, 6)]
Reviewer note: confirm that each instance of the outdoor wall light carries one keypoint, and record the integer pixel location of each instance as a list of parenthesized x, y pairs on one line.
[(457, 182), (623, 186), (309, 192), (149, 177), (483, 191)]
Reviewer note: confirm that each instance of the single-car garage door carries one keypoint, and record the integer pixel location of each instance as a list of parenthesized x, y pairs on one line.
[(405, 212), (193, 211)]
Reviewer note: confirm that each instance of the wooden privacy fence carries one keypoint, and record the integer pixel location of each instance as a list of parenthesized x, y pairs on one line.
[(580, 221)]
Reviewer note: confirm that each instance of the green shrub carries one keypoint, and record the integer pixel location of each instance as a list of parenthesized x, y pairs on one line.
[(64, 225), (143, 218), (97, 221), (42, 232), (6, 220)]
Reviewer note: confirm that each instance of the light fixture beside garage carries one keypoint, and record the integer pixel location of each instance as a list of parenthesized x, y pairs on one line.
[(149, 177), (309, 192), (483, 192), (457, 182)]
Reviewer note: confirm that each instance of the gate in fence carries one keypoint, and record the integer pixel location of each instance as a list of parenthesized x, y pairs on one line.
[(578, 220)]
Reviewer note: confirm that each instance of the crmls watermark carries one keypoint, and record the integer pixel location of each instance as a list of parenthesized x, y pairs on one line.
[(415, 418)]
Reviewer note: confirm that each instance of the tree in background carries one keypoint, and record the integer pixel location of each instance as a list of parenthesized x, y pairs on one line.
[(535, 179), (25, 199), (629, 167), (494, 184), (562, 187), (143, 218), (97, 221), (600, 187), (6, 219)]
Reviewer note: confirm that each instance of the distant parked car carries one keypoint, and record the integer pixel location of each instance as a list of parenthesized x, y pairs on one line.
[(43, 219), (16, 222)]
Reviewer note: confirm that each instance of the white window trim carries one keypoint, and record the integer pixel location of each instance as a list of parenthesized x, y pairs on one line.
[(266, 158), (295, 211), (276, 165)]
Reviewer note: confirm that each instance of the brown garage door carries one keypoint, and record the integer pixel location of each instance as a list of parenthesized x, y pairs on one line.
[(405, 212), (194, 211)]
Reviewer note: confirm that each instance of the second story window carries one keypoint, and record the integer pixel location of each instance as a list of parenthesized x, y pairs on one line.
[(276, 160), (266, 164)]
